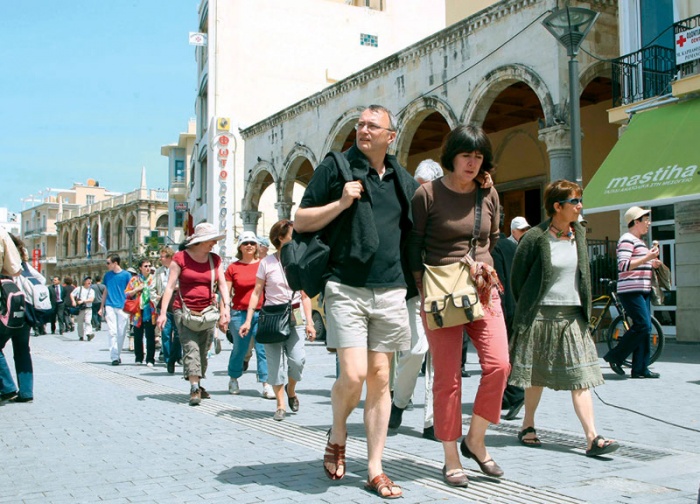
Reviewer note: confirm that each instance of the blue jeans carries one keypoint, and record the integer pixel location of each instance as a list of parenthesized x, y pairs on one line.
[(636, 340), (240, 346), (170, 340), (23, 364)]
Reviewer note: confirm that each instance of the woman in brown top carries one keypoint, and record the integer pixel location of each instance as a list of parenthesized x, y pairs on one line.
[(444, 222)]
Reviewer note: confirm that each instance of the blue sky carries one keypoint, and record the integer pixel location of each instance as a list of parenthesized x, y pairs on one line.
[(92, 89)]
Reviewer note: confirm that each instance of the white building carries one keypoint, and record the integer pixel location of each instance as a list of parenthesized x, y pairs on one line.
[(179, 155), (260, 57), (10, 221)]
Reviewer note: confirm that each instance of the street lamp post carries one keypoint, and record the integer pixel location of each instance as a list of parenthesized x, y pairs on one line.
[(570, 26), (130, 230)]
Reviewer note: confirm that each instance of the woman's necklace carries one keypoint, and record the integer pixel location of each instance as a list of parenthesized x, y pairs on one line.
[(559, 233)]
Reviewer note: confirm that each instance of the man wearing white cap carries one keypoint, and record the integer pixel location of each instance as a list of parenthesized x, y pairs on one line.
[(635, 265), (518, 227)]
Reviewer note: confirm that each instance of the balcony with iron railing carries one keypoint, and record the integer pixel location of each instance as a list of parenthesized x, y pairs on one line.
[(651, 71)]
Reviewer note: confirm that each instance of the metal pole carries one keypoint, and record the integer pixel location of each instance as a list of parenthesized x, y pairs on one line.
[(575, 113)]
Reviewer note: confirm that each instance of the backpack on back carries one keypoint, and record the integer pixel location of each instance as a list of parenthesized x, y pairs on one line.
[(38, 301), (12, 302), (305, 257)]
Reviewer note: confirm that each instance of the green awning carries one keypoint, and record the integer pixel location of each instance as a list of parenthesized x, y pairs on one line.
[(655, 161)]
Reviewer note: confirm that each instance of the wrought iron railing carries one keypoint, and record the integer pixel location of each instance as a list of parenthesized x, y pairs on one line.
[(648, 72), (643, 74), (603, 259)]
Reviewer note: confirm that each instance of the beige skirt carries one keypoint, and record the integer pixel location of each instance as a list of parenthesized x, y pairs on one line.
[(556, 352)]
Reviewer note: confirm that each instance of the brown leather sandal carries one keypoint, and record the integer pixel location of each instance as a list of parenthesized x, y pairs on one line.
[(379, 483), (335, 454)]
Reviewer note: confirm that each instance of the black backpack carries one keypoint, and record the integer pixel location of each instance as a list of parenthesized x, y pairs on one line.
[(12, 306), (305, 257)]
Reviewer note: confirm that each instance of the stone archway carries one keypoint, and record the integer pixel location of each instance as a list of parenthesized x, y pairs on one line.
[(411, 119), (260, 177), (492, 84), (342, 129)]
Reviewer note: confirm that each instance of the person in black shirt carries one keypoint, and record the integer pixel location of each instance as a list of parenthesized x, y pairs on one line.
[(365, 295)]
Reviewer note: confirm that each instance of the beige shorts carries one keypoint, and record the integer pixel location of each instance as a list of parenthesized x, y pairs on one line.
[(359, 317)]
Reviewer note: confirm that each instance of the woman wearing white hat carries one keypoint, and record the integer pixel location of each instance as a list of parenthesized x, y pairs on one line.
[(240, 280), (635, 264), (192, 268)]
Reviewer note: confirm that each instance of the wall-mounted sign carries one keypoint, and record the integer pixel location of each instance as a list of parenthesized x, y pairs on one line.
[(198, 39), (182, 207), (687, 46)]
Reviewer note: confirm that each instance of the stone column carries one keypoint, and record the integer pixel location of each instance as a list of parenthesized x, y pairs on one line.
[(284, 209), (250, 220), (558, 141)]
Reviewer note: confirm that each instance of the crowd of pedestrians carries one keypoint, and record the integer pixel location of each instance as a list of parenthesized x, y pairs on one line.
[(535, 290)]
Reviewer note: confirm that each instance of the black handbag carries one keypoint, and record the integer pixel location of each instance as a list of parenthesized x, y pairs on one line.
[(274, 323)]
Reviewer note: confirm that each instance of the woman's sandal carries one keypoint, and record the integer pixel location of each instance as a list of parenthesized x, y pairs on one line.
[(380, 483), (595, 450), (531, 442), (335, 454)]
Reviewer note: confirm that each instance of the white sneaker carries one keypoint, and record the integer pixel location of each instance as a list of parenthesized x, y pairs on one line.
[(233, 387), (150, 364), (267, 392)]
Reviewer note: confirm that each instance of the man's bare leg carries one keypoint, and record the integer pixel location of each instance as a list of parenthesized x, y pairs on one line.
[(377, 411), (346, 394)]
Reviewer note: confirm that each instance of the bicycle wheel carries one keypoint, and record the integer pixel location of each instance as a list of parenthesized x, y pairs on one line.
[(656, 339)]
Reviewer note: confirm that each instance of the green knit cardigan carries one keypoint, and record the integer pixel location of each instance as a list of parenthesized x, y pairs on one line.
[(532, 273)]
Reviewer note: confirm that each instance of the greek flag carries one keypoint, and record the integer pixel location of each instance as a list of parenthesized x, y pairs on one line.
[(88, 241)]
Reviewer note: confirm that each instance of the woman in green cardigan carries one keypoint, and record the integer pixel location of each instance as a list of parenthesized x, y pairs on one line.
[(551, 346)]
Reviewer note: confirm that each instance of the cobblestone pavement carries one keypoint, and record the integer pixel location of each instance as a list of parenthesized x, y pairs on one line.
[(98, 433)]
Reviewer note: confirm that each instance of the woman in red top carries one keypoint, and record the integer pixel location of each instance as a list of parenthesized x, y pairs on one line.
[(193, 269), (240, 280)]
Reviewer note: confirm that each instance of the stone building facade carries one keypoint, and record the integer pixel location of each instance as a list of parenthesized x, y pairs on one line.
[(126, 222)]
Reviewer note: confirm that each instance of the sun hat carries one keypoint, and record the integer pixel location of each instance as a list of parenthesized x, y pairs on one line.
[(246, 236), (635, 213), (264, 242), (519, 223), (204, 231)]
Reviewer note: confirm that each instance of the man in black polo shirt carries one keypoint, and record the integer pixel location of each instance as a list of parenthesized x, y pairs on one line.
[(365, 295)]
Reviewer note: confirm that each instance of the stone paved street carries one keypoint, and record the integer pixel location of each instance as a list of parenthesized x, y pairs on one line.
[(126, 434)]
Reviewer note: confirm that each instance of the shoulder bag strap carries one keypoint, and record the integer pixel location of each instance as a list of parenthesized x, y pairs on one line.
[(477, 222), (213, 274), (279, 264)]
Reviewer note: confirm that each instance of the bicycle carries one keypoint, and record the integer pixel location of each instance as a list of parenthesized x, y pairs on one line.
[(622, 323)]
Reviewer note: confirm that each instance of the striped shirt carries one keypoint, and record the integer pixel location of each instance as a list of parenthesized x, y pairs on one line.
[(630, 247)]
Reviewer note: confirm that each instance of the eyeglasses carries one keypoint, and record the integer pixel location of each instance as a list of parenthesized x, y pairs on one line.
[(373, 128), (573, 201), (248, 244)]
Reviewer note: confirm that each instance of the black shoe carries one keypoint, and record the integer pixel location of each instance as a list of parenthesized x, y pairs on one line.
[(116, 362), (161, 357), (466, 374), (647, 374), (429, 433), (8, 396), (514, 410), (171, 367), (395, 417), (19, 399), (615, 366)]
